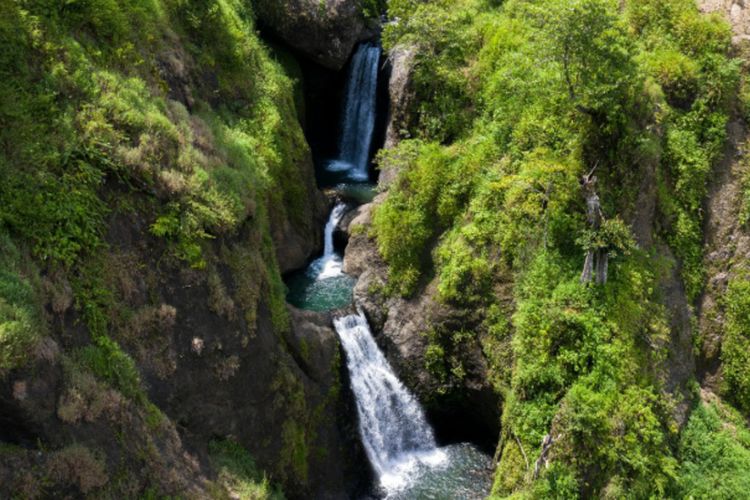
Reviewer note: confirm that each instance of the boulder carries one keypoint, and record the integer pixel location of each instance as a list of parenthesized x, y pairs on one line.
[(325, 31)]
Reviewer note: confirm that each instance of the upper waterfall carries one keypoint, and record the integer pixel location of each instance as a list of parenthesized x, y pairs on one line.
[(358, 117)]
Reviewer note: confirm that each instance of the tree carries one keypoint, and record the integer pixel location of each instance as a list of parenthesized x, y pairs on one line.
[(590, 43), (605, 237)]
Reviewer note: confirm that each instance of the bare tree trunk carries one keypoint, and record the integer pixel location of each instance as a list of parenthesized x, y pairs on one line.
[(547, 443), (597, 261), (602, 266), (588, 267)]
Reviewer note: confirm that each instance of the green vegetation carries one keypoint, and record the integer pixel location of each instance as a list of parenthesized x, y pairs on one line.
[(735, 353), (169, 119), (104, 109), (516, 101), (715, 454), (108, 362), (20, 313), (93, 79), (373, 9), (173, 120), (238, 473)]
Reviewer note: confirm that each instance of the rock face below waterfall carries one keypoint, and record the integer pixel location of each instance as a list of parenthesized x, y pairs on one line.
[(325, 31), (213, 370)]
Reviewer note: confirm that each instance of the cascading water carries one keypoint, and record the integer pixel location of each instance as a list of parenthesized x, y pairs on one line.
[(329, 265), (358, 118), (323, 285), (397, 438), (393, 427)]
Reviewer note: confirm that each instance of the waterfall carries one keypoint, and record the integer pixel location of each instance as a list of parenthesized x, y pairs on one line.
[(397, 438), (330, 264), (358, 119)]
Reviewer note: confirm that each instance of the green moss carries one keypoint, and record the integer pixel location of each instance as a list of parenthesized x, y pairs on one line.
[(294, 437), (117, 123), (108, 362), (297, 429)]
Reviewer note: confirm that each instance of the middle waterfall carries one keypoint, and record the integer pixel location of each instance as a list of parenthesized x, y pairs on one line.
[(358, 118), (397, 438), (329, 265)]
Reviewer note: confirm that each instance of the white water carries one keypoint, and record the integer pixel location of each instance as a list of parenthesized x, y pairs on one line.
[(397, 438), (358, 120), (330, 265)]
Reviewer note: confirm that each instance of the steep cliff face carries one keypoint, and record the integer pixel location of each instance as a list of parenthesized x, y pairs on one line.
[(146, 345), (727, 242), (736, 12), (461, 408)]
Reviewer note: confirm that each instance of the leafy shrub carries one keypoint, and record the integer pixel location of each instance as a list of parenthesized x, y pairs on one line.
[(445, 37), (428, 196), (676, 73), (238, 472), (108, 362), (20, 325), (715, 454)]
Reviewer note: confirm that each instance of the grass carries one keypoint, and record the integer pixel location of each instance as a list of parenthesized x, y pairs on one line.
[(238, 474)]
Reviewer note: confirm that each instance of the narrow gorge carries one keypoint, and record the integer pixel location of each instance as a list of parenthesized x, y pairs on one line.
[(397, 438), (341, 249)]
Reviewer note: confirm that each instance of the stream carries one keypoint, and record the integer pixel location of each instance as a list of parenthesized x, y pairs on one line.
[(400, 443)]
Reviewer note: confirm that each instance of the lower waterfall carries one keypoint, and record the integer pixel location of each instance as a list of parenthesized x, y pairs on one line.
[(397, 438)]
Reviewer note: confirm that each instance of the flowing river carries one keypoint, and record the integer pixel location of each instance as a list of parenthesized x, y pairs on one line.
[(398, 440)]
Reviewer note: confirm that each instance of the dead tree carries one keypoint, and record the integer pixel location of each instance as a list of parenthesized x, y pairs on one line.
[(597, 259), (543, 460)]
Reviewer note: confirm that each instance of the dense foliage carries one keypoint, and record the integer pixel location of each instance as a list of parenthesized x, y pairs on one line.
[(516, 102), (91, 78), (715, 454), (168, 118), (173, 116)]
